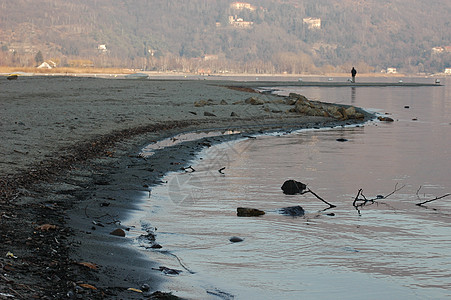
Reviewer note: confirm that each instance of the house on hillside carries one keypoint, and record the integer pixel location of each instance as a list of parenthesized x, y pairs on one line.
[(391, 70), (47, 65), (242, 5), (312, 23), (239, 22), (102, 48), (44, 65), (208, 57), (437, 50)]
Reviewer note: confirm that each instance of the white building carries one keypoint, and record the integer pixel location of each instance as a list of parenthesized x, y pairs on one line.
[(391, 71), (239, 22), (242, 5), (44, 65), (102, 48), (313, 23)]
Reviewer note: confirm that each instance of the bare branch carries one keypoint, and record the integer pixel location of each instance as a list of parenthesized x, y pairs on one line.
[(430, 200), (436, 198), (394, 191), (359, 202), (418, 191), (318, 197), (357, 198)]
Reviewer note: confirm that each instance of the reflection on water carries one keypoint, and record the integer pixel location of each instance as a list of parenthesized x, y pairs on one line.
[(392, 249), (183, 137)]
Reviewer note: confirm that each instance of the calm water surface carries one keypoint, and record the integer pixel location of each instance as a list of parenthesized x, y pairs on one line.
[(391, 249)]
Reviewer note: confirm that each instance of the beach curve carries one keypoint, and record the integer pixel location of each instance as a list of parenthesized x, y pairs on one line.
[(79, 173)]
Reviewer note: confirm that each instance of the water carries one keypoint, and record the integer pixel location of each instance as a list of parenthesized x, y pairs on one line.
[(392, 249)]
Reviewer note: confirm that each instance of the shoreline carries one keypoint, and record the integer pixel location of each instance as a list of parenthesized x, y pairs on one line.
[(84, 194), (120, 73), (132, 183)]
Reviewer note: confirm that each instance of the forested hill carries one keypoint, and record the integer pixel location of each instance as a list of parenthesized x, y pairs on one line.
[(290, 36)]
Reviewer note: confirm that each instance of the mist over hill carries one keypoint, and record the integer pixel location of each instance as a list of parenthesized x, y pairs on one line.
[(311, 36)]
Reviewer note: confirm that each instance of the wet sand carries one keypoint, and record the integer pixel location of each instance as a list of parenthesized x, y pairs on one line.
[(71, 170)]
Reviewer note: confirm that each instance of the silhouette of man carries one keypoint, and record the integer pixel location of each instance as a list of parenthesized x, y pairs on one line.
[(353, 73)]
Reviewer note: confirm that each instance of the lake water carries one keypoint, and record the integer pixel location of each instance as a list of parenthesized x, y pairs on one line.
[(389, 249)]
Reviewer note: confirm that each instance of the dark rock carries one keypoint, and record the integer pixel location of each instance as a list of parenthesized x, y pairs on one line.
[(156, 246), (235, 239), (291, 187), (168, 271), (118, 232), (162, 295), (249, 212), (233, 114), (202, 103), (254, 101), (342, 140), (145, 287), (209, 114), (385, 119), (295, 211)]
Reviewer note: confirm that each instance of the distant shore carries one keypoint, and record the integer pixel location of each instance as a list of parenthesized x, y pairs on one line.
[(121, 72)]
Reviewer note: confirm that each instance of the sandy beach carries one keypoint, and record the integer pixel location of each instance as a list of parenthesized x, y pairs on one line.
[(71, 169)]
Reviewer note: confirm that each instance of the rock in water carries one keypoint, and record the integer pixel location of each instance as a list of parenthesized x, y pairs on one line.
[(248, 212), (385, 119), (118, 232), (291, 187), (295, 211), (235, 239)]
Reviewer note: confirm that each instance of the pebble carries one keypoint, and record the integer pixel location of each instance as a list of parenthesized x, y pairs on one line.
[(145, 287)]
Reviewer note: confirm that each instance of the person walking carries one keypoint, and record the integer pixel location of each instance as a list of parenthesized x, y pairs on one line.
[(353, 73)]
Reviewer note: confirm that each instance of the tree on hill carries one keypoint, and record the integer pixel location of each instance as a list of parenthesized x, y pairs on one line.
[(39, 58)]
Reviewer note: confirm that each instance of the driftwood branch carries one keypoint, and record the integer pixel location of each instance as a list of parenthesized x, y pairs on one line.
[(394, 191), (318, 197), (360, 199), (436, 198), (430, 200)]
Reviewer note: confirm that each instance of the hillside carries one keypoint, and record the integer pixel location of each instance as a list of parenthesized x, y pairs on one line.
[(262, 36)]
